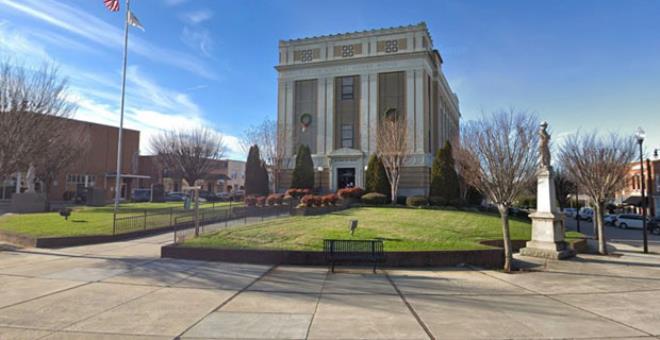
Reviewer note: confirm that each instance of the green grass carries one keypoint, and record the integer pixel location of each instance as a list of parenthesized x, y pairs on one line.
[(84, 220), (401, 230)]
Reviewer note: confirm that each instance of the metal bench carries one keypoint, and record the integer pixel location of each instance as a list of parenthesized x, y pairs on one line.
[(353, 251)]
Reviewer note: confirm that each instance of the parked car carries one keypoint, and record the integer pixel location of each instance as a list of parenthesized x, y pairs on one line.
[(654, 226), (609, 219), (141, 195), (208, 196), (223, 196), (586, 214), (570, 212), (625, 221), (175, 197)]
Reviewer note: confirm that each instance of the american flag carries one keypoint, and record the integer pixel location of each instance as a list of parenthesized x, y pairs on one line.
[(112, 5)]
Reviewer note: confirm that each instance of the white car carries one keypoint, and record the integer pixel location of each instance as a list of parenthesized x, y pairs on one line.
[(586, 214), (625, 221), (609, 219)]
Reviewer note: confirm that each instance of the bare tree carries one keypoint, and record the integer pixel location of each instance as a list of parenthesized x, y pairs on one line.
[(30, 100), (392, 148), (497, 156), (271, 141), (189, 153), (599, 165), (66, 151), (564, 186)]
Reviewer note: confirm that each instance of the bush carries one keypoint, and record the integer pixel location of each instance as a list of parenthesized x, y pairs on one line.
[(457, 202), (376, 177), (374, 198), (311, 201), (350, 193), (261, 201), (256, 175), (297, 193), (274, 199), (444, 180), (250, 201), (401, 200), (329, 199), (417, 201), (303, 173), (438, 201)]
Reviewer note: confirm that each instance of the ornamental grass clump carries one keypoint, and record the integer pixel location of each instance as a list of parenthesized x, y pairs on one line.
[(275, 199), (346, 193)]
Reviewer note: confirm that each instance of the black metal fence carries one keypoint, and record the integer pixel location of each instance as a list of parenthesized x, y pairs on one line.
[(183, 220), (216, 219), (132, 219)]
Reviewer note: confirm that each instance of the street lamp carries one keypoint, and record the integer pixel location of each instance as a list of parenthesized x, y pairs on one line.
[(320, 170), (577, 206), (640, 135)]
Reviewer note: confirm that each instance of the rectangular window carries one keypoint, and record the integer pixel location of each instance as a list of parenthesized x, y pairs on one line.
[(346, 135), (347, 88)]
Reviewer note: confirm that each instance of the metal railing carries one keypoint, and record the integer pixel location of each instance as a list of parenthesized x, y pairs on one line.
[(213, 220), (132, 220)]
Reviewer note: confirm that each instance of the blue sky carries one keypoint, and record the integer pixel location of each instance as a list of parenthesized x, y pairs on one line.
[(581, 65)]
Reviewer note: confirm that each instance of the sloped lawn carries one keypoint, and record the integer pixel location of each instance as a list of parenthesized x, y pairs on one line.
[(85, 220), (401, 229)]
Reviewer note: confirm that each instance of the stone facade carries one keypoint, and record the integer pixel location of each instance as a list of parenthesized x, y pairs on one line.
[(333, 89)]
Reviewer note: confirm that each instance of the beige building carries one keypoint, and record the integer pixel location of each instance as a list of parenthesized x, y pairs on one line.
[(333, 89)]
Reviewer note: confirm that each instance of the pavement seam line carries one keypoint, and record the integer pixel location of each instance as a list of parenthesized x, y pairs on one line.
[(318, 302), (224, 303), (410, 307), (568, 304), (45, 295), (110, 308)]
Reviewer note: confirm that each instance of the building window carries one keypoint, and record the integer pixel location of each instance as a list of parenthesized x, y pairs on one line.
[(347, 88), (347, 135)]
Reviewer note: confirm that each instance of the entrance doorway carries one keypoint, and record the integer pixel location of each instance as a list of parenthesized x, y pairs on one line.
[(345, 178)]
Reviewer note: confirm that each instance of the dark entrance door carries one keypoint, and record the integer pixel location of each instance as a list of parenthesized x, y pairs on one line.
[(345, 178)]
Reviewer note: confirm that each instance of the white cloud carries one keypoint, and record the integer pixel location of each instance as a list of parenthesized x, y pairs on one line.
[(197, 39), (150, 107), (172, 3), (197, 17), (76, 21)]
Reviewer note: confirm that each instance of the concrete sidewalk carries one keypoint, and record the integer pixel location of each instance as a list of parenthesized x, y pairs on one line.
[(124, 291)]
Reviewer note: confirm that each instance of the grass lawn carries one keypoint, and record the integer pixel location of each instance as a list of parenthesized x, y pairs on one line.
[(401, 230), (84, 220)]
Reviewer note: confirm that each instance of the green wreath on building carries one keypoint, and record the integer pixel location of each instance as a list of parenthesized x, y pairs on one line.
[(305, 120)]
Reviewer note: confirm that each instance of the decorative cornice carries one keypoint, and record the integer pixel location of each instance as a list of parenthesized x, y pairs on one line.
[(358, 34)]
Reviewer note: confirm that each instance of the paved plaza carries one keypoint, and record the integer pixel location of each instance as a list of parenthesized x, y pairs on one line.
[(124, 291)]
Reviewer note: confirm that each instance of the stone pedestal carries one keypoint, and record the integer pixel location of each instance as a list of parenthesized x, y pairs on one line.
[(28, 202), (547, 226)]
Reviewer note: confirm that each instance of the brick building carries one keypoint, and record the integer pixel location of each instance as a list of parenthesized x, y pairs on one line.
[(225, 175), (97, 168), (633, 191)]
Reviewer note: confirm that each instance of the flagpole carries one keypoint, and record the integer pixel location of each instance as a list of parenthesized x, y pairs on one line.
[(121, 121)]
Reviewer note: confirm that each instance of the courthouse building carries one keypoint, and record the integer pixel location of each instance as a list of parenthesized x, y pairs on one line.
[(333, 89)]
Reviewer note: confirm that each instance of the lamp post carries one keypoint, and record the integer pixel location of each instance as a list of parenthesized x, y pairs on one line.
[(640, 135), (577, 207), (320, 171)]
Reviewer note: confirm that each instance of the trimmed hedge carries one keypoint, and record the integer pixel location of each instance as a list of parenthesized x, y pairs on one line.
[(438, 201), (374, 198), (417, 201)]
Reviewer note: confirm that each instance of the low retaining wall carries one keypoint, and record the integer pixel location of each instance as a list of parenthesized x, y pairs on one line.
[(71, 241), (486, 258)]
